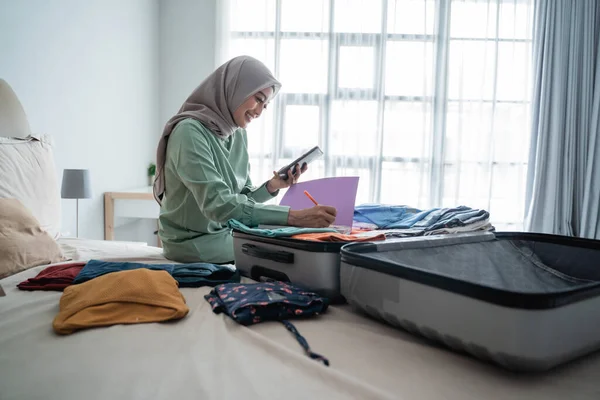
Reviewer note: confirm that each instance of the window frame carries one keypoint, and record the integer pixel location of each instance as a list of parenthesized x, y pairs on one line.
[(436, 160)]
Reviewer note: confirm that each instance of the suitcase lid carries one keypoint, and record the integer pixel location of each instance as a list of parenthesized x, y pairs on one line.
[(513, 269)]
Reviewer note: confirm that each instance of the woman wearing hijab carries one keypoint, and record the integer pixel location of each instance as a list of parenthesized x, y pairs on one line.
[(202, 171)]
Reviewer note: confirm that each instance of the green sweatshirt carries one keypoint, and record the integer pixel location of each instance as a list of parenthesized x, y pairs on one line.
[(207, 183)]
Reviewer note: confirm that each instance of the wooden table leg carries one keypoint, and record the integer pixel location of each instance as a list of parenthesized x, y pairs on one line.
[(109, 217)]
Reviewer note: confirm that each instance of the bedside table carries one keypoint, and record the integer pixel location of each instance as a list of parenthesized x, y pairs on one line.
[(135, 203)]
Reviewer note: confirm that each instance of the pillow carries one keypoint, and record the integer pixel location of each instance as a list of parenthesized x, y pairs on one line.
[(28, 174), (13, 121), (23, 243)]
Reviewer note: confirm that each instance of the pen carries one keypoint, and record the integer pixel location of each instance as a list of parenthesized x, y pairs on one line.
[(311, 198)]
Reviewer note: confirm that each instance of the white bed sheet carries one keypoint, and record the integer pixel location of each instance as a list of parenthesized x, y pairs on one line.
[(208, 356)]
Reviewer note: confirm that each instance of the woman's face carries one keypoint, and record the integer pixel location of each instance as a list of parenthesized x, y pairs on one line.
[(252, 108)]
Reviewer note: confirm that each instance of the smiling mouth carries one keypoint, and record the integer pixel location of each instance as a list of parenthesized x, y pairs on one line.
[(249, 117)]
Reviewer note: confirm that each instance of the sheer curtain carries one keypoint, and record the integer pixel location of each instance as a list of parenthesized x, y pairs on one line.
[(564, 195), (426, 101)]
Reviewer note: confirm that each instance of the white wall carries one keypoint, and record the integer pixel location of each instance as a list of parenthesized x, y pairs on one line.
[(87, 72), (187, 50), (102, 77)]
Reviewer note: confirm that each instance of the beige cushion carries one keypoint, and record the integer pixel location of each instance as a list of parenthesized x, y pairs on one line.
[(23, 243), (28, 174)]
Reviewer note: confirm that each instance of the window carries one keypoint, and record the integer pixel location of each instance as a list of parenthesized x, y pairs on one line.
[(426, 100)]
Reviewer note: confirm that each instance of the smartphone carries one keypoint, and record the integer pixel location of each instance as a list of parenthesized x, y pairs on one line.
[(305, 158)]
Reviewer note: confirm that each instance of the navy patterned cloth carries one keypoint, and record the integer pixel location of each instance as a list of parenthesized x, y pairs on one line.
[(251, 303)]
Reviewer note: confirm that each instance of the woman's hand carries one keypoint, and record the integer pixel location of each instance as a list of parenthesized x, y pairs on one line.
[(276, 182), (315, 217)]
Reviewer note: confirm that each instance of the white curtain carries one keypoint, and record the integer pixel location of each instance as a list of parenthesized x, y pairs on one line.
[(427, 101)]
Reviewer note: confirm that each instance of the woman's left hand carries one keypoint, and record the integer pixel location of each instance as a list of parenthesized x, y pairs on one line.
[(276, 182)]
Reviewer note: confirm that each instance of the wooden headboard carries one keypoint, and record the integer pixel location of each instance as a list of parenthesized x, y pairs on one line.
[(13, 120)]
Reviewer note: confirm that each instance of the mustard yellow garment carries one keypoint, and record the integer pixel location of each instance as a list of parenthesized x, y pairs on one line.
[(125, 297)]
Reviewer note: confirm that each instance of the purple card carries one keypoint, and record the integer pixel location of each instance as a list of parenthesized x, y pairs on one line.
[(338, 192)]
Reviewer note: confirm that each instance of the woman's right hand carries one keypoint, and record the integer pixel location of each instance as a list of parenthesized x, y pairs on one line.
[(315, 217)]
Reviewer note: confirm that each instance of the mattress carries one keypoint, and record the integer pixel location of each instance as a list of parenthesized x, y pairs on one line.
[(209, 356)]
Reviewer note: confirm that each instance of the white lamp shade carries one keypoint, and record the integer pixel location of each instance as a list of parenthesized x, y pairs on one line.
[(76, 184)]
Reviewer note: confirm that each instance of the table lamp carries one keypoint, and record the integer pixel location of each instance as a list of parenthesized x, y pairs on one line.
[(76, 185)]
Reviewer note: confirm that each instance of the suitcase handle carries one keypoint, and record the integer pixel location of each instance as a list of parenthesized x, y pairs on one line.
[(258, 273), (273, 255)]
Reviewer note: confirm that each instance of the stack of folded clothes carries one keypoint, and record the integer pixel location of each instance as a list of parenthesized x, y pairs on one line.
[(374, 222), (102, 293), (310, 234), (403, 221), (283, 231)]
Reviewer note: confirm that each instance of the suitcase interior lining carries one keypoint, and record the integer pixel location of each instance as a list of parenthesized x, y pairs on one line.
[(523, 266)]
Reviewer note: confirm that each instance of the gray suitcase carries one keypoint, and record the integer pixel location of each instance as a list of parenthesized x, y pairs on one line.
[(525, 301), (314, 266)]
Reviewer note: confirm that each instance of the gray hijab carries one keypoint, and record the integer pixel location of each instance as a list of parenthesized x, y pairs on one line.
[(214, 102)]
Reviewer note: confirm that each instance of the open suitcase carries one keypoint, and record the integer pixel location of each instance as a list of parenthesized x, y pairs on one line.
[(314, 266), (525, 301)]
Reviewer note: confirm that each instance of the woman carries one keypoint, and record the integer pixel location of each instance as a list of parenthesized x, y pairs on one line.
[(202, 178)]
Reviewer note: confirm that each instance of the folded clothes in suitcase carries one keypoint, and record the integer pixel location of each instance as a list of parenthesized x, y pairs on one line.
[(525, 301), (314, 266)]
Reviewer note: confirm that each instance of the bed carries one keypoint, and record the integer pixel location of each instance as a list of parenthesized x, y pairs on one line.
[(209, 356)]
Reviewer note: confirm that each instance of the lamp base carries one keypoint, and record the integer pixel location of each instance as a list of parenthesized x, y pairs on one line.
[(77, 218)]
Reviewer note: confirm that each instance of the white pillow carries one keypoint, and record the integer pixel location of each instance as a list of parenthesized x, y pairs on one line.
[(28, 174)]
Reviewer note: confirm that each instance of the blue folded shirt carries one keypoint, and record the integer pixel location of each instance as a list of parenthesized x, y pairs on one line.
[(188, 275), (403, 217), (204, 274)]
